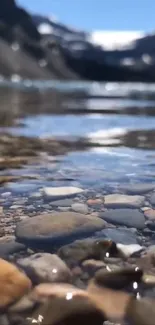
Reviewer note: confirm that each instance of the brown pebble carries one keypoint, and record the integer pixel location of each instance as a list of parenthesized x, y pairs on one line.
[(150, 214), (94, 202)]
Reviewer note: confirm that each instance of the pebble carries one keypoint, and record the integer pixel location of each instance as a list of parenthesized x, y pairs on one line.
[(138, 188), (119, 235), (57, 228), (60, 192), (13, 283), (123, 201), (44, 267), (129, 250), (126, 217), (80, 207), (94, 202), (150, 214)]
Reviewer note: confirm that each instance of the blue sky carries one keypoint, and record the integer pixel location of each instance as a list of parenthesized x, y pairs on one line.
[(98, 14)]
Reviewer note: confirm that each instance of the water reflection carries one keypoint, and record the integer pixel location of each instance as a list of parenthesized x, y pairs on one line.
[(116, 134)]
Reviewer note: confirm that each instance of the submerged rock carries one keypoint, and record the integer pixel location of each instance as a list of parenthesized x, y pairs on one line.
[(43, 267), (129, 250), (120, 278), (61, 192), (81, 250), (118, 235), (123, 201), (137, 188), (57, 228), (127, 217), (10, 247)]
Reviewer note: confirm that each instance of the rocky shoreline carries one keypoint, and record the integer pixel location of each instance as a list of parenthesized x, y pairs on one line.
[(88, 252)]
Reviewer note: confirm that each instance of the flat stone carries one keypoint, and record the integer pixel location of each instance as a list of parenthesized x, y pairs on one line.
[(123, 201), (152, 199), (62, 203), (57, 228), (44, 267), (126, 217), (13, 283), (80, 207), (150, 214), (139, 188), (119, 235), (129, 250), (61, 192)]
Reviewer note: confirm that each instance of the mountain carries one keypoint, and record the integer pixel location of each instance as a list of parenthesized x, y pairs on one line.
[(38, 47)]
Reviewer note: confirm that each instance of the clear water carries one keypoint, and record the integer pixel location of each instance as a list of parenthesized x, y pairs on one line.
[(117, 119)]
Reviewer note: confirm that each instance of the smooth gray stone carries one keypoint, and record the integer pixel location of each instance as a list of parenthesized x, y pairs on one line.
[(118, 235), (10, 247), (127, 217), (138, 188)]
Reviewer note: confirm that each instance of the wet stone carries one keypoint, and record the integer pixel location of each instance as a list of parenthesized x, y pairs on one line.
[(57, 228), (80, 207), (129, 250), (43, 267), (61, 192), (80, 250), (10, 247), (126, 217), (119, 235), (123, 201), (150, 214), (138, 188)]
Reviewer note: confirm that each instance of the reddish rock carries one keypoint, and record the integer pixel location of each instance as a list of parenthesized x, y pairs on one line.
[(150, 214)]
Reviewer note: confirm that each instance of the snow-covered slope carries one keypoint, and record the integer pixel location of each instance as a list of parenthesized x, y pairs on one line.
[(114, 40)]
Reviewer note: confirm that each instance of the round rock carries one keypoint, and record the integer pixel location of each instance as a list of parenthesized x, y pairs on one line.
[(44, 267), (57, 228)]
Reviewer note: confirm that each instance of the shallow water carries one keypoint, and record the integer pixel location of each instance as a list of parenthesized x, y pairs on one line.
[(118, 121)]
